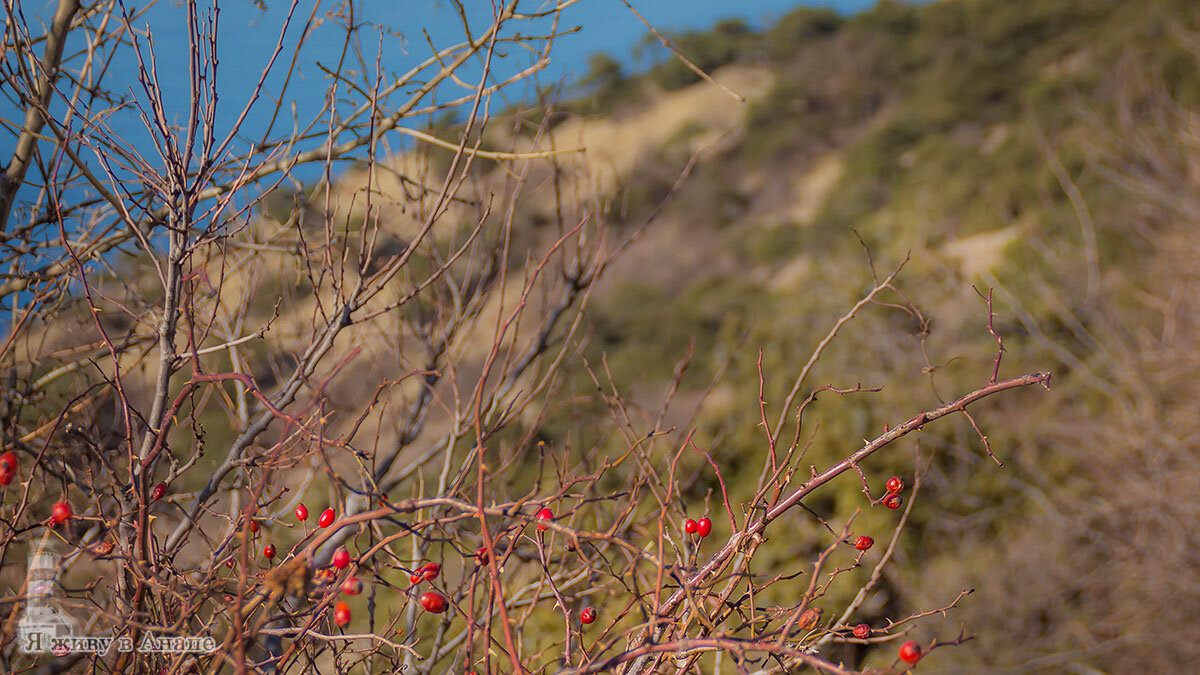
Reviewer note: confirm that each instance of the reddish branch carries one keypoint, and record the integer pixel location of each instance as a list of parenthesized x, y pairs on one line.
[(756, 527)]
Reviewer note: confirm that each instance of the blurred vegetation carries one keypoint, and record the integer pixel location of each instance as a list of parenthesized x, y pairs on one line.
[(947, 119), (728, 41)]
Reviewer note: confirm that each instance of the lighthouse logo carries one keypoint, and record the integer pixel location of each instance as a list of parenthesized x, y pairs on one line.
[(45, 627)]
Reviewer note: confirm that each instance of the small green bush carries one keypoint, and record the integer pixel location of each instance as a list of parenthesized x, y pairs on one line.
[(728, 41)]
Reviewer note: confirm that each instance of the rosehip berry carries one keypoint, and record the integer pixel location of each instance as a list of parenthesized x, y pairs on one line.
[(689, 526), (8, 467), (352, 586), (893, 501), (326, 518), (159, 491), (863, 543), (545, 514), (269, 551), (229, 563), (301, 512), (341, 613), (430, 572), (910, 652), (808, 618), (341, 558), (704, 527), (60, 512), (253, 527), (588, 615), (433, 602), (862, 631), (481, 555), (414, 578), (894, 484)]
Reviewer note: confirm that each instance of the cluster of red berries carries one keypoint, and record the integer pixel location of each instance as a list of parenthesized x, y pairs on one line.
[(427, 572), (702, 527), (341, 610), (8, 467), (326, 519), (431, 601), (893, 500)]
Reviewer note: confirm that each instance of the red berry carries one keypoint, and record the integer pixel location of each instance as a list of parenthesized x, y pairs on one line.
[(862, 631), (254, 527), (60, 512), (894, 484), (326, 518), (481, 555), (689, 526), (159, 491), (588, 615), (863, 543), (893, 501), (9, 458), (341, 613), (910, 652), (301, 512), (341, 558), (704, 527), (414, 578), (229, 563), (6, 473), (352, 586), (269, 551), (433, 602), (430, 572), (545, 514)]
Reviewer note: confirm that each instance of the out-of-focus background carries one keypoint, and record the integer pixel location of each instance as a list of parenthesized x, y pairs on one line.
[(1047, 149)]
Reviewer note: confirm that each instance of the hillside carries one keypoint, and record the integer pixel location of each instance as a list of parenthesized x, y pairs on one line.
[(679, 254), (1036, 148)]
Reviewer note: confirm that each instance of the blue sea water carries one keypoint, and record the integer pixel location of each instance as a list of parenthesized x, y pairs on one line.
[(396, 33)]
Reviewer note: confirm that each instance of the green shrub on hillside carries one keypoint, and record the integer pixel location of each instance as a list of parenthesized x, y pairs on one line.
[(728, 41), (796, 29)]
